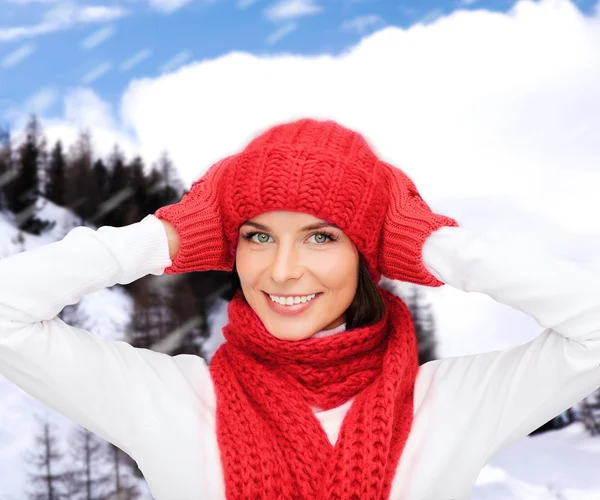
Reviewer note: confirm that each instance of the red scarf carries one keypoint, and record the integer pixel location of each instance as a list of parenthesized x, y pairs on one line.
[(271, 444)]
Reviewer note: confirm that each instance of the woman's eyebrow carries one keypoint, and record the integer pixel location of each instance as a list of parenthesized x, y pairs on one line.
[(310, 227)]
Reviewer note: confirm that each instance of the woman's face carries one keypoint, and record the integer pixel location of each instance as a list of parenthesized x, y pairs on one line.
[(290, 256)]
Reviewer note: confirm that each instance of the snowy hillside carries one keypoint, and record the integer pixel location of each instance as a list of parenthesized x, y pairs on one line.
[(559, 465), (104, 313)]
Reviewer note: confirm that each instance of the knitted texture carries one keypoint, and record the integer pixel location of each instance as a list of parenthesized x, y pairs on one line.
[(308, 166), (198, 222), (272, 445)]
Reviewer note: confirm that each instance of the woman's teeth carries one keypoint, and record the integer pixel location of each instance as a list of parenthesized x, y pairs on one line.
[(290, 301)]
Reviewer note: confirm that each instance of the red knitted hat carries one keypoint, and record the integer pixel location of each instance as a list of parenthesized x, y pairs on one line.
[(315, 167)]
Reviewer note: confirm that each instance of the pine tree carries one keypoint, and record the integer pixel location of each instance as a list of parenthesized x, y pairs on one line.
[(589, 410), (122, 487), (137, 204), (166, 185), (421, 313), (99, 195), (424, 323), (47, 481), (152, 319), (79, 185), (43, 166), (119, 190), (101, 178), (7, 168), (190, 319), (170, 174), (88, 478), (25, 188), (155, 195), (54, 189)]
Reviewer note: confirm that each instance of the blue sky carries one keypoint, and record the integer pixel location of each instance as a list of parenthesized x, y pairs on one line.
[(49, 46)]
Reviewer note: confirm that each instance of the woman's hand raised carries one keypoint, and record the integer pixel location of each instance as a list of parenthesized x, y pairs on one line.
[(199, 242)]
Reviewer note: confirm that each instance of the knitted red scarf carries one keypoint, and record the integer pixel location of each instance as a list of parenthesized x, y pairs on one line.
[(271, 444)]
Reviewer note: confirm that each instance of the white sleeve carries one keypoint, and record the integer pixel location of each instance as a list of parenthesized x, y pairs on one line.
[(106, 386), (505, 395)]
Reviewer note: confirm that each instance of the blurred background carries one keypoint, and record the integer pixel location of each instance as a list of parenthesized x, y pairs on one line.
[(111, 109)]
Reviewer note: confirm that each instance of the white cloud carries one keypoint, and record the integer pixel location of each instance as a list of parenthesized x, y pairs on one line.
[(30, 2), (497, 127), (69, 13), (41, 101), (461, 129), (431, 16), (20, 32), (97, 72), (362, 23), (62, 16), (282, 32), (243, 4), (176, 61), (407, 11), (481, 119), (135, 59), (291, 9), (98, 37), (168, 6), (83, 109), (18, 55)]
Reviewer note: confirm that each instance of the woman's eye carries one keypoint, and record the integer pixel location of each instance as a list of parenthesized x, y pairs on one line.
[(260, 237), (321, 237)]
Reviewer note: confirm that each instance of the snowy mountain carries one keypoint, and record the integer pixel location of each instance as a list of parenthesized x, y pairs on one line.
[(559, 465)]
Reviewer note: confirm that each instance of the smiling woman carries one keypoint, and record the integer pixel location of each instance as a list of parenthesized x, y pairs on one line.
[(285, 258), (309, 217), (316, 392)]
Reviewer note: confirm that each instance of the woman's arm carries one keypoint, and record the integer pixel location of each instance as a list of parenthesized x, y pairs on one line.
[(109, 387), (502, 396)]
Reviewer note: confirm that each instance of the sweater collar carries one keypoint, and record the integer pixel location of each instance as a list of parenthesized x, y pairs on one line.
[(331, 331)]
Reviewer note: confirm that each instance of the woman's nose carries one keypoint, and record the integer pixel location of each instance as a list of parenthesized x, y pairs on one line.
[(285, 265)]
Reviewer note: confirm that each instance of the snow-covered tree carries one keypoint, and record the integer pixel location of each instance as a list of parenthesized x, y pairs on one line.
[(87, 478), (415, 299), (47, 479), (122, 486), (589, 413)]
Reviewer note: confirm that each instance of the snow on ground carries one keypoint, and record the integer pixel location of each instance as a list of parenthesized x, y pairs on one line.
[(105, 313), (558, 465)]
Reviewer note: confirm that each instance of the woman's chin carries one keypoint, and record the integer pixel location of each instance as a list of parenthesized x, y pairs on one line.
[(289, 331), (290, 335)]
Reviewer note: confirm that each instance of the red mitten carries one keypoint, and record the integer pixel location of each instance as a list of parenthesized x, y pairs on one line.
[(198, 222), (407, 224)]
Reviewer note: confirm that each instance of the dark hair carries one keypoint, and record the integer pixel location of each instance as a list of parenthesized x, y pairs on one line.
[(366, 308)]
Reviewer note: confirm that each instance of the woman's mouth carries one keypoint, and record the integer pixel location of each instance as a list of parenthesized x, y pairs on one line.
[(300, 303)]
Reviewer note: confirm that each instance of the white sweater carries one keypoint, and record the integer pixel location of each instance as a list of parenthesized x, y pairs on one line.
[(160, 409)]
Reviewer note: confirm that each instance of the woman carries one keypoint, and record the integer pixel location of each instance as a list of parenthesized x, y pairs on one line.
[(316, 392)]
